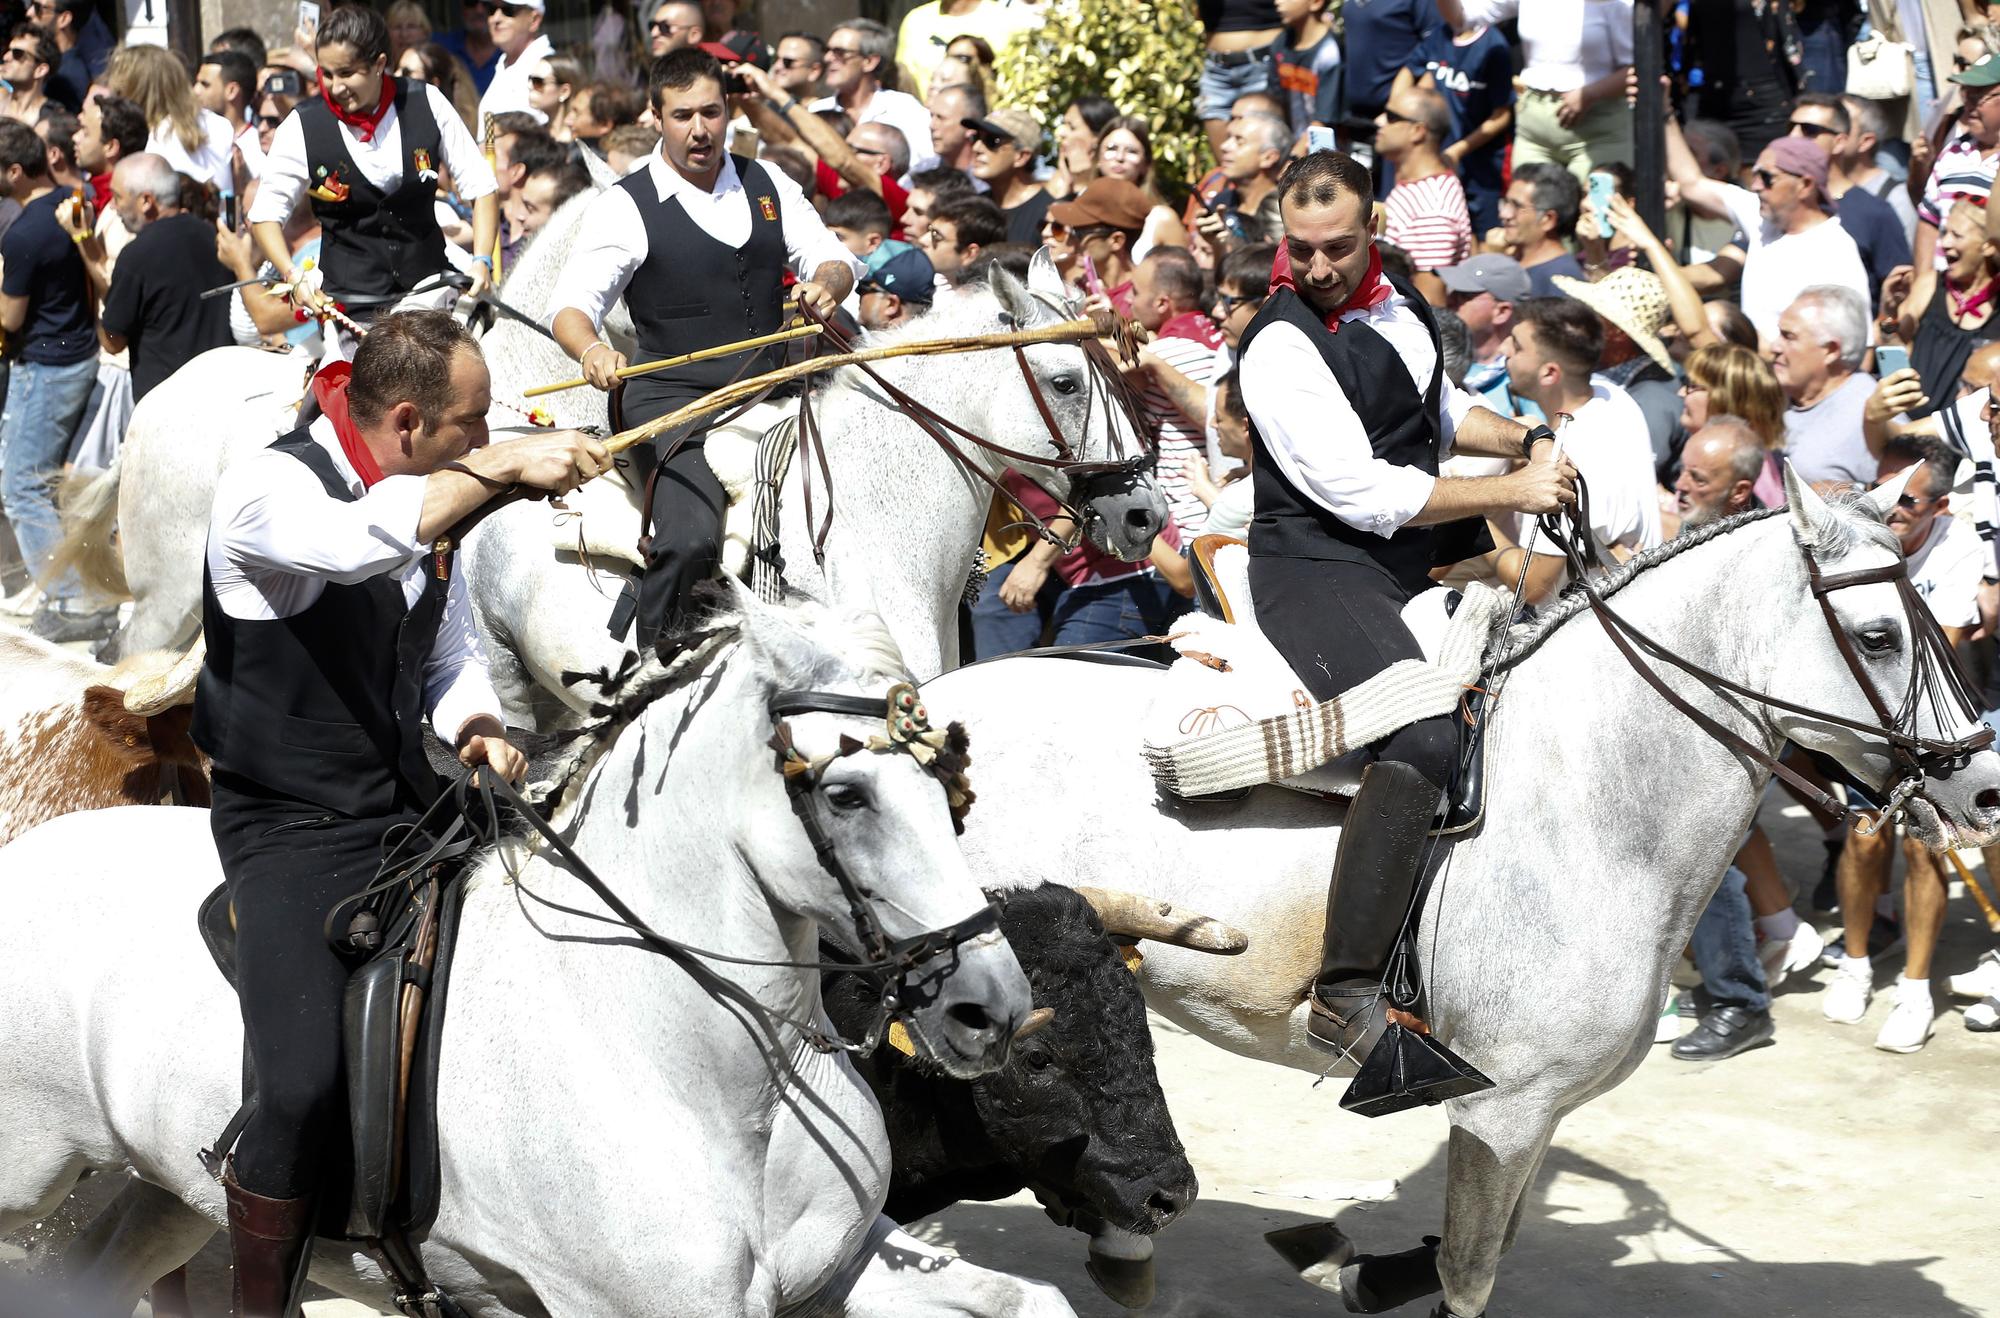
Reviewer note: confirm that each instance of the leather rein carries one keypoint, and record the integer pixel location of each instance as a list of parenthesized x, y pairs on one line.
[(1936, 680)]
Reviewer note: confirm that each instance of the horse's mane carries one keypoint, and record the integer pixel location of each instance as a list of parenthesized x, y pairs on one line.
[(1838, 535)]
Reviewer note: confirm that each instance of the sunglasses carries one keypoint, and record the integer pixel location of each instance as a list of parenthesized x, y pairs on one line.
[(28, 55), (511, 11), (538, 82), (269, 120), (1769, 177), (668, 29), (1395, 118), (843, 52), (787, 62), (1909, 503), (992, 142), (1812, 132), (1230, 301)]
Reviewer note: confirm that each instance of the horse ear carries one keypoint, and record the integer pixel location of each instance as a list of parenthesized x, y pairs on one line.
[(1016, 304), (1883, 497), (781, 649), (1810, 515), (1044, 279)]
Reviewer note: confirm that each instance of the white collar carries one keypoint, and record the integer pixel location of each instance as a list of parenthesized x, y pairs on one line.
[(671, 183), (323, 434)]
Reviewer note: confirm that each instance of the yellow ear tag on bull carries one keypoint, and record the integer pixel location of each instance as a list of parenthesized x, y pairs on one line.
[(1132, 956), (899, 1039)]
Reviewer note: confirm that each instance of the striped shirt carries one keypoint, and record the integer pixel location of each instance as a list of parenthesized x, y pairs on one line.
[(1429, 220), (1186, 343), (1962, 170)]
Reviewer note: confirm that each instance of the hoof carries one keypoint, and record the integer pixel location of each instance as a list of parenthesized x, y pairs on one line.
[(1317, 1251), (1126, 1282), (1377, 1283)]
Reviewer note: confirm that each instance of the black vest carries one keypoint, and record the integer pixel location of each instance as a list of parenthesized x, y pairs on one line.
[(326, 706), (1402, 428), (692, 292), (375, 244)]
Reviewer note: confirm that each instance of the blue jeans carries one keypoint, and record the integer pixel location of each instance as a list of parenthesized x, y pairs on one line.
[(997, 629), (1221, 84), (1725, 948), (44, 405), (1135, 605)]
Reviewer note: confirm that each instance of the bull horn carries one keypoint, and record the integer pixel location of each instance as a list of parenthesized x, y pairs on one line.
[(161, 691), (1037, 1018), (1134, 915)]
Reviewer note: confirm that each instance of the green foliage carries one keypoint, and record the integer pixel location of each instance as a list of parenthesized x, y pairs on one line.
[(1144, 55)]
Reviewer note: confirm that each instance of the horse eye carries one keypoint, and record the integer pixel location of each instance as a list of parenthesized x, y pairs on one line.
[(846, 797), (1065, 384), (1879, 640)]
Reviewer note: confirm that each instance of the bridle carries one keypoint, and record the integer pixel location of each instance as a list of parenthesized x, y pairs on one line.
[(1937, 684), (1109, 396)]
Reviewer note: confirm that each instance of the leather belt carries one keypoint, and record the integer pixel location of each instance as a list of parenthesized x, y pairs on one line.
[(1234, 59)]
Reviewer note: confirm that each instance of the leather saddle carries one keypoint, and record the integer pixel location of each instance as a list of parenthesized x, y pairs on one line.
[(393, 1021), (1222, 592)]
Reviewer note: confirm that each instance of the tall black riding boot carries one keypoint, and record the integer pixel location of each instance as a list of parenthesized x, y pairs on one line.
[(1374, 880), (270, 1241)]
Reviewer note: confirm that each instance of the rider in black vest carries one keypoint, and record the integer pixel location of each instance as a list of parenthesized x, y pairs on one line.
[(367, 153), (1350, 414), (698, 242), (332, 629)]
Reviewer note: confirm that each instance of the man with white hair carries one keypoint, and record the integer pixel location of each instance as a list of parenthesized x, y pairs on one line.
[(1821, 338), (1720, 465), (154, 304), (1253, 154), (950, 108), (861, 74)]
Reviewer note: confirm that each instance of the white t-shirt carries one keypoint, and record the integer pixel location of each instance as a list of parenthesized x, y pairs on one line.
[(1607, 440), (1564, 43), (1779, 266), (208, 163), (1946, 570), (509, 89)]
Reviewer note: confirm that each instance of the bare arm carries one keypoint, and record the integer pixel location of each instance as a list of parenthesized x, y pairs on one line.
[(1540, 487), (837, 278), (1682, 296), (1189, 398), (809, 128), (1453, 14), (1485, 433), (1173, 568), (1486, 134), (1698, 191), (557, 461)]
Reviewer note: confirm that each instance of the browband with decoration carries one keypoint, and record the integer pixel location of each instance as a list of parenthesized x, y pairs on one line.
[(906, 722)]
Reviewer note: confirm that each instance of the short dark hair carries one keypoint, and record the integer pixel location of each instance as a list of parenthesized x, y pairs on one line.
[(362, 30), (977, 220), (1229, 396), (943, 183), (1014, 258), (407, 358), (818, 43), (571, 178), (614, 104), (508, 122), (1317, 178), (1830, 102), (1553, 188), (245, 42), (234, 66), (536, 152), (1248, 267), (59, 127), (860, 210), (678, 70), (1735, 327), (1565, 329), (1176, 274), (47, 51), (124, 124), (1939, 458), (20, 146)]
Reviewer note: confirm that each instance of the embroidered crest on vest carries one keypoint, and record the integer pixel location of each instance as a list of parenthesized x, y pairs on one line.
[(422, 159), (331, 184), (768, 207)]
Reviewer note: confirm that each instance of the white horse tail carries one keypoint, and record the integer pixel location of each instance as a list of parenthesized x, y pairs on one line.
[(89, 506)]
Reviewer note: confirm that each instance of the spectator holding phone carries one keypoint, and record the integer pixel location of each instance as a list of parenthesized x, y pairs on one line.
[(1944, 315)]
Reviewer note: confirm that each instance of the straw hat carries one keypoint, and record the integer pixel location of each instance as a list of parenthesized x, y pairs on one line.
[(1632, 299)]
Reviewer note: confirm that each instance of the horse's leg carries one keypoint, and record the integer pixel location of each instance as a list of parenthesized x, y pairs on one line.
[(904, 1278), (141, 1239), (1496, 1145)]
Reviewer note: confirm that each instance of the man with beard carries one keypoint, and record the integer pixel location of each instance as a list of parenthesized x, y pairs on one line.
[(1719, 467)]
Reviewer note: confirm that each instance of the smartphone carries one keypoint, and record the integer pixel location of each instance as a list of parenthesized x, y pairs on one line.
[(230, 212), (309, 20), (1889, 359), (1091, 283), (1602, 188), (1320, 138)]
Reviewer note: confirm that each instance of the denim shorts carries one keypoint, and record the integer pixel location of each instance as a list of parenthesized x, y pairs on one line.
[(1221, 84)]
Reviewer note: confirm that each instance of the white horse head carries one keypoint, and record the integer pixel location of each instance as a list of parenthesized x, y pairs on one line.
[(988, 394), (884, 811), (1954, 806)]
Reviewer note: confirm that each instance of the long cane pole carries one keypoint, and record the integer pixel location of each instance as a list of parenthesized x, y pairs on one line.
[(1978, 891), (491, 145), (666, 363)]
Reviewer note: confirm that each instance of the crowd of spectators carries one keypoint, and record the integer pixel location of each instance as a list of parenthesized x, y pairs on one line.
[(1822, 291)]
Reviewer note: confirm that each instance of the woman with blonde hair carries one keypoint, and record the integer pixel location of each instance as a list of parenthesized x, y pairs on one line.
[(1731, 380), (409, 27), (1125, 150), (552, 83), (194, 141)]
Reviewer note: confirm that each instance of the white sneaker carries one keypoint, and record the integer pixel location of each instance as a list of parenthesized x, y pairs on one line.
[(1983, 1017), (1909, 1025), (1845, 1001), (1785, 957), (1668, 1030), (1982, 981)]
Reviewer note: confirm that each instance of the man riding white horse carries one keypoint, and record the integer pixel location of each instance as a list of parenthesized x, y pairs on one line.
[(332, 627), (697, 243), (1350, 413)]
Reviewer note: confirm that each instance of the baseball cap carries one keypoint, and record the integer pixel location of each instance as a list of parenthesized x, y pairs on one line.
[(1112, 201), (1985, 72), (738, 48), (905, 271), (1488, 272), (1022, 127), (539, 6), (1804, 158)]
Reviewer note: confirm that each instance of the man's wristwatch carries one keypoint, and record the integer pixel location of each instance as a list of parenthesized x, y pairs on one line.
[(1536, 434)]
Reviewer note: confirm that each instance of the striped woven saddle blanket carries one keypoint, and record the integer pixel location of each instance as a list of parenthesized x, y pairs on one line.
[(1233, 714)]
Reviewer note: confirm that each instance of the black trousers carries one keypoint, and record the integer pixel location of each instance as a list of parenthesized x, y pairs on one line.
[(287, 863), (1338, 623), (688, 507)]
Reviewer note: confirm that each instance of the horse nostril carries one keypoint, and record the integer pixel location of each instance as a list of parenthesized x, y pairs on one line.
[(1140, 521), (1988, 799)]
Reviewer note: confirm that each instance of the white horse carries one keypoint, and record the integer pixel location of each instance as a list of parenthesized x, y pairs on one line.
[(1549, 934), (906, 515), (614, 1137)]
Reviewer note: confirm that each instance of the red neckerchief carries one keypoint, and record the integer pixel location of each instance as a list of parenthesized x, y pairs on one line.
[(1972, 301), (100, 191), (1191, 325), (330, 388), (364, 125), (1373, 292)]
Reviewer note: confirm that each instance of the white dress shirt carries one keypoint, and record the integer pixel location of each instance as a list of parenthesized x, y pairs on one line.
[(287, 172), (1317, 438), (902, 112), (207, 163), (276, 538), (611, 239), (508, 92), (252, 147)]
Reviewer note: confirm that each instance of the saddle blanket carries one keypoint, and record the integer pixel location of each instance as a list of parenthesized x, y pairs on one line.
[(1218, 730)]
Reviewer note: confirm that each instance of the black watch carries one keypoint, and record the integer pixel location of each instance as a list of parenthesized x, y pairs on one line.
[(1536, 434)]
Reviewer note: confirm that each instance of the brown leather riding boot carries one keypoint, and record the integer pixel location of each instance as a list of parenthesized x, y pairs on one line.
[(271, 1243)]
